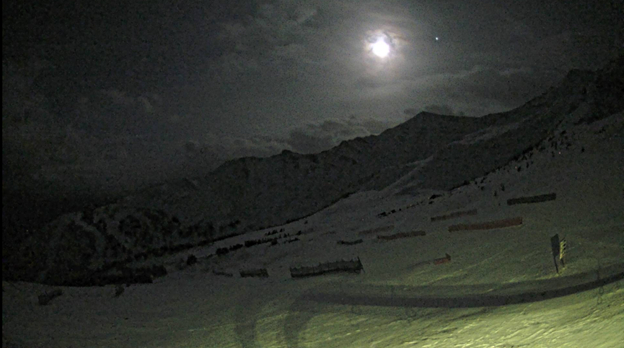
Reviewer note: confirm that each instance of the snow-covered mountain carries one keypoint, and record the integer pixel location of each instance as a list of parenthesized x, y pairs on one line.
[(428, 152)]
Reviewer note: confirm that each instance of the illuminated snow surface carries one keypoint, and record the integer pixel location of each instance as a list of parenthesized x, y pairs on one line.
[(401, 300)]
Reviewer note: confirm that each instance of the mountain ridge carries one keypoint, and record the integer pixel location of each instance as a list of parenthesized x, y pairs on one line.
[(251, 193)]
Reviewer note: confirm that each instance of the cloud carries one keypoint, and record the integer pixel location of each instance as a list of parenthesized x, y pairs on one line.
[(118, 97), (32, 136), (317, 137), (264, 34), (225, 79), (111, 136), (491, 84), (477, 91), (112, 112), (439, 109), (309, 138), (222, 148)]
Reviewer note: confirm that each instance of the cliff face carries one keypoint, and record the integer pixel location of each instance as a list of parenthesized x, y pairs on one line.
[(252, 193)]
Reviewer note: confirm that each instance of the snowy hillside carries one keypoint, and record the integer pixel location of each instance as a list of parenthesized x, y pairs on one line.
[(428, 152), (444, 287)]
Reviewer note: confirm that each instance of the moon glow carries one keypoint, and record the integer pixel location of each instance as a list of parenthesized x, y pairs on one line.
[(381, 48)]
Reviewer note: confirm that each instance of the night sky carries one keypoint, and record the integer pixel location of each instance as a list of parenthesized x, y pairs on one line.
[(117, 94)]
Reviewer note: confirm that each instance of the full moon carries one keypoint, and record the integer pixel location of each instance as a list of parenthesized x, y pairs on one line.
[(381, 48)]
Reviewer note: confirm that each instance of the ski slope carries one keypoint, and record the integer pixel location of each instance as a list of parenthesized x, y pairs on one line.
[(500, 288)]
